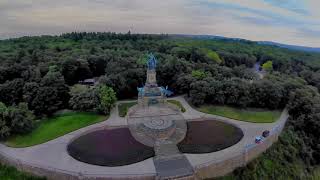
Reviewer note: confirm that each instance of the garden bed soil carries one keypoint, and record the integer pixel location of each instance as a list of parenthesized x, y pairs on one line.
[(209, 136), (109, 147)]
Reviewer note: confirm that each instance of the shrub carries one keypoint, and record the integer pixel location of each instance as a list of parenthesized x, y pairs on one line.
[(100, 99), (83, 100), (15, 120)]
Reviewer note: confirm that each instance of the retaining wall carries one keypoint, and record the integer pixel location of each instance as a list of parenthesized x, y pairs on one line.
[(54, 174)]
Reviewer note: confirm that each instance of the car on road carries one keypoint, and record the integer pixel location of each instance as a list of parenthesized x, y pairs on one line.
[(258, 140), (265, 133)]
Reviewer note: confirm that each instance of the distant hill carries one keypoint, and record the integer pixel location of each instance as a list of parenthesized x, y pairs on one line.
[(301, 48), (292, 47)]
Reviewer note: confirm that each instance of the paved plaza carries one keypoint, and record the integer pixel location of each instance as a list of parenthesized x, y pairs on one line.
[(53, 156)]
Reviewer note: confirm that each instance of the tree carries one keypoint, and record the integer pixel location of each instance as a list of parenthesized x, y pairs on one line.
[(11, 91), (78, 88), (32, 74), (184, 82), (124, 76), (267, 66), (107, 98), (198, 92), (75, 70), (4, 128), (20, 119), (212, 55), (243, 72), (48, 96), (98, 64), (199, 74), (15, 120), (85, 101), (83, 98)]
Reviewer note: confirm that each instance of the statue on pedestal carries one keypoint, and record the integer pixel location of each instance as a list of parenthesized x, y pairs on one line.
[(151, 93), (152, 62)]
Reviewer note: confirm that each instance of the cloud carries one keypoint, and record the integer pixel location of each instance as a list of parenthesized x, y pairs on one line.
[(296, 6), (276, 20), (311, 33)]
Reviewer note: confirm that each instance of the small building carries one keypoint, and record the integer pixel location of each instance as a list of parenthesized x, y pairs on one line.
[(88, 82)]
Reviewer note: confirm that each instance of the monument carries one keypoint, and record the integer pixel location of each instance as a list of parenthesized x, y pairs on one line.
[(154, 118), (151, 93)]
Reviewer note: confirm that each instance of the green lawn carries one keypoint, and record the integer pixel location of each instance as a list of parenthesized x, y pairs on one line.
[(250, 115), (315, 174), (11, 173), (177, 103), (54, 127), (124, 107)]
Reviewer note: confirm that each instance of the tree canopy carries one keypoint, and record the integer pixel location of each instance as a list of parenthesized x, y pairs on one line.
[(40, 75)]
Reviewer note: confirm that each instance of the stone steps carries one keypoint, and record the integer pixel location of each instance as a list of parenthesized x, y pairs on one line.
[(169, 162), (173, 167), (165, 150)]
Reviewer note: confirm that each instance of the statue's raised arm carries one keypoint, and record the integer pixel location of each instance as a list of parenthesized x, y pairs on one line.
[(152, 62)]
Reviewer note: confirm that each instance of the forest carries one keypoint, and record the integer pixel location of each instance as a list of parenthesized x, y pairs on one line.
[(39, 76)]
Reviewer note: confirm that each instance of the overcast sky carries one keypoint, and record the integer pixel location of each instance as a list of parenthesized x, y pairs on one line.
[(287, 21)]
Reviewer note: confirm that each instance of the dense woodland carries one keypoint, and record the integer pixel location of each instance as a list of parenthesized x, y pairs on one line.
[(39, 76)]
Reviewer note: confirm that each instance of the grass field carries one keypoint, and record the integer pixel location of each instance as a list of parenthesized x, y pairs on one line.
[(54, 127), (11, 173), (177, 103), (249, 115), (315, 174), (124, 107)]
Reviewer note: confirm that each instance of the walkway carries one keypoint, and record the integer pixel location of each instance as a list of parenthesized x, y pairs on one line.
[(54, 157), (256, 69), (161, 126)]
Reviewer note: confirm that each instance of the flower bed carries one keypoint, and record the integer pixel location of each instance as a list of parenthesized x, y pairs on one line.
[(209, 136), (109, 147)]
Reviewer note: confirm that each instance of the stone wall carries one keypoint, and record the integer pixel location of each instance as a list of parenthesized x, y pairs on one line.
[(54, 174), (216, 169)]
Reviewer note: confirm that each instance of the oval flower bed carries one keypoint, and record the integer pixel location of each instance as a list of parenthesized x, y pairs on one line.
[(109, 147), (209, 136)]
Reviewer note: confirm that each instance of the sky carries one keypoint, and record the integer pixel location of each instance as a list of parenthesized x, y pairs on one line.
[(295, 22)]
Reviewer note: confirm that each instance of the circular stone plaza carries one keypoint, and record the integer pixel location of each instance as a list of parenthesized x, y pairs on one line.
[(154, 141)]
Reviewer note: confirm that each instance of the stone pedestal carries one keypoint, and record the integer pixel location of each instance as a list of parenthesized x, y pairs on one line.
[(151, 94), (151, 77)]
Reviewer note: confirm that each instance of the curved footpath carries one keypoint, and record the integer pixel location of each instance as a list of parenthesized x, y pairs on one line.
[(52, 160)]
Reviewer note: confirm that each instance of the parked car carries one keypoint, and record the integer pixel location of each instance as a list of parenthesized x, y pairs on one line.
[(258, 139), (265, 133)]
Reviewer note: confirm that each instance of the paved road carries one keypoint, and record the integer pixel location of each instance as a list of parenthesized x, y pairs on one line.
[(260, 73), (53, 154)]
